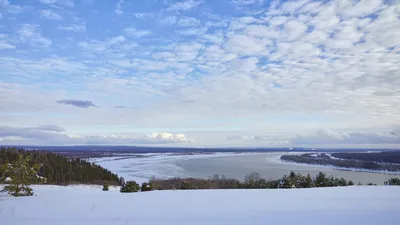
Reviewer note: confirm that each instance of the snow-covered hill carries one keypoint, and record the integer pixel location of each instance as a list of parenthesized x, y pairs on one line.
[(88, 205)]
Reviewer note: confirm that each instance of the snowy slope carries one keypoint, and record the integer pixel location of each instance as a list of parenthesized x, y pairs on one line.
[(88, 205)]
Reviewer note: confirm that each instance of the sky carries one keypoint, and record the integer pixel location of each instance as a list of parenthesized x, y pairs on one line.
[(200, 73)]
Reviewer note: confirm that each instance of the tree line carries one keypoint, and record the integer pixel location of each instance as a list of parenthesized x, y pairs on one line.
[(252, 181), (58, 169), (323, 159)]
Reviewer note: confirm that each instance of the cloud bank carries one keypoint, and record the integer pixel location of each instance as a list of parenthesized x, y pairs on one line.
[(243, 72)]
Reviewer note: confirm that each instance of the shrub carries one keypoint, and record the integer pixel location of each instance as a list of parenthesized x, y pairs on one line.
[(105, 186), (146, 187), (187, 186), (130, 186), (393, 181)]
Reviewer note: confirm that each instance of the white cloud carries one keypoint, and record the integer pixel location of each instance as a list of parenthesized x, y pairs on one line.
[(184, 5), (48, 1), (169, 20), (73, 27), (277, 20), (298, 67), (133, 32), (5, 42), (4, 45), (162, 55), (329, 137), (67, 3), (118, 9), (143, 15), (361, 8), (245, 45), (247, 2), (51, 134), (295, 29), (51, 15), (170, 137), (10, 8), (188, 22), (29, 33)]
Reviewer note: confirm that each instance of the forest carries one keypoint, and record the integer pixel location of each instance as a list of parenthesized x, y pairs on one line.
[(348, 160), (384, 157), (58, 169)]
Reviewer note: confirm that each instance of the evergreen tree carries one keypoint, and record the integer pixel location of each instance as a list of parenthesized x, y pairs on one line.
[(146, 187), (309, 182), (105, 186), (21, 175), (286, 182), (130, 186), (321, 180), (393, 181)]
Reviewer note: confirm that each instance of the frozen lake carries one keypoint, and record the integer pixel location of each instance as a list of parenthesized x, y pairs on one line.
[(232, 165)]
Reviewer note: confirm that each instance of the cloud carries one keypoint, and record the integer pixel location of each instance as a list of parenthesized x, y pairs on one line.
[(169, 137), (5, 42), (118, 9), (291, 67), (78, 103), (169, 20), (246, 45), (29, 33), (53, 128), (188, 22), (133, 32), (40, 133), (73, 27), (10, 8), (67, 3), (51, 15), (184, 5), (4, 45), (329, 137), (54, 135), (323, 137), (143, 15), (247, 2)]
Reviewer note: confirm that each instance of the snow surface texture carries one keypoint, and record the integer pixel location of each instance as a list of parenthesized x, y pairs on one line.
[(88, 205)]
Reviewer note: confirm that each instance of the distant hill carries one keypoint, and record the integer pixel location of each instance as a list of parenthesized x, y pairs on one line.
[(58, 169), (149, 149)]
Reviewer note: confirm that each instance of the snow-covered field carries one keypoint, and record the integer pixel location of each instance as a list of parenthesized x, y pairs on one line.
[(88, 205)]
